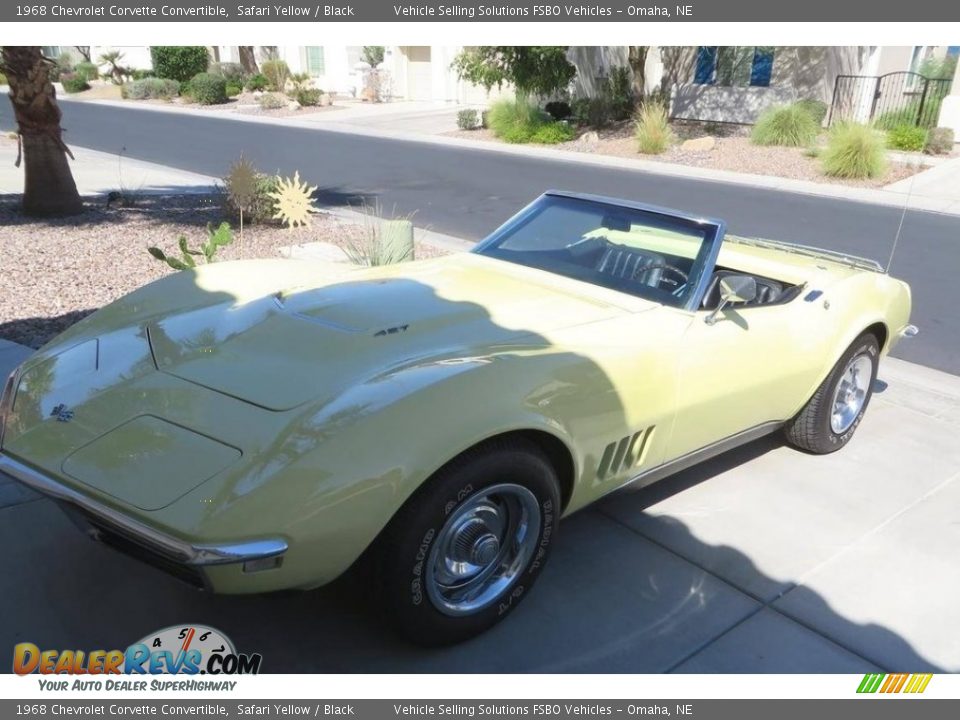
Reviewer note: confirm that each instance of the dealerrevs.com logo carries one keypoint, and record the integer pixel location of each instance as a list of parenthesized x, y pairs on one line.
[(176, 650)]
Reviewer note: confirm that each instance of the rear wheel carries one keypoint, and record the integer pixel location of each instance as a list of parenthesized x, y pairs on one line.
[(468, 546), (830, 418)]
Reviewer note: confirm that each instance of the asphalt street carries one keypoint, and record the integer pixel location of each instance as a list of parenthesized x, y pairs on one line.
[(468, 192)]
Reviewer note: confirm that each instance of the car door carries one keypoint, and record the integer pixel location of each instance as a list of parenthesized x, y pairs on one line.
[(750, 367)]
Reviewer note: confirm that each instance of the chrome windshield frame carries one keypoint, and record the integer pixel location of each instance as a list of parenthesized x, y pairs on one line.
[(713, 229)]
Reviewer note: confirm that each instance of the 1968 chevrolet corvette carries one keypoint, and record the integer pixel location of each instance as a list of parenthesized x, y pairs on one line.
[(260, 425)]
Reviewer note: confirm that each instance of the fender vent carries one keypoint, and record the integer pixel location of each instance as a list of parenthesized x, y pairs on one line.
[(624, 454)]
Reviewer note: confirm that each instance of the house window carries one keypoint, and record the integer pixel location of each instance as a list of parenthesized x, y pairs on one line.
[(315, 64), (734, 66)]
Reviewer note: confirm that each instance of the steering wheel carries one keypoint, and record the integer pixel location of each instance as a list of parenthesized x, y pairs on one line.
[(669, 268)]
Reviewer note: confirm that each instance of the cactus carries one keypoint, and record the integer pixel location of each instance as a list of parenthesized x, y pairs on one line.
[(216, 239)]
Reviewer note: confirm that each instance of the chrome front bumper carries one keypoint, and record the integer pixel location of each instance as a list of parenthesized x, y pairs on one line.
[(136, 538)]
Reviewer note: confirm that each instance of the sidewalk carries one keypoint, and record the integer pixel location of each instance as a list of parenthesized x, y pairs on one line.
[(932, 193), (764, 559), (98, 173)]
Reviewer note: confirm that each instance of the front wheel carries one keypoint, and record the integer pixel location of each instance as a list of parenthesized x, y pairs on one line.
[(468, 546), (829, 419)]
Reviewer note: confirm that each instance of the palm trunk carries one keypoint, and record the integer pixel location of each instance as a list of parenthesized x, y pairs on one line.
[(49, 189), (248, 60), (637, 59)]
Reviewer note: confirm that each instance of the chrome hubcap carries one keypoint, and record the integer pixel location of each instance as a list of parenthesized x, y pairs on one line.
[(482, 548), (851, 393)]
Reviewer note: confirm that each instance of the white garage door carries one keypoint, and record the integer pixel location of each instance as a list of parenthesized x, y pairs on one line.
[(419, 73)]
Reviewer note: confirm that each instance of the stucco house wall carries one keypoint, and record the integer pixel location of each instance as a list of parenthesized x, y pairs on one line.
[(797, 73)]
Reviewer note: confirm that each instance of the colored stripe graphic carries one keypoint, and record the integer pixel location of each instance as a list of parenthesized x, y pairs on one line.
[(913, 683)]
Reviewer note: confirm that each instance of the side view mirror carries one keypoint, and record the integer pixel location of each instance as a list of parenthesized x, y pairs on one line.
[(734, 289)]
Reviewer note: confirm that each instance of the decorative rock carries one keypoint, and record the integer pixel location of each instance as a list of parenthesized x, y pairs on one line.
[(590, 137), (701, 144), (293, 105), (257, 93)]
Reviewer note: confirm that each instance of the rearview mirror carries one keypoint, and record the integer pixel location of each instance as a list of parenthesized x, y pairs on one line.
[(734, 289)]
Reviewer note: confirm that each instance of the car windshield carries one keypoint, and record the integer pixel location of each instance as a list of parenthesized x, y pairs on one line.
[(653, 255)]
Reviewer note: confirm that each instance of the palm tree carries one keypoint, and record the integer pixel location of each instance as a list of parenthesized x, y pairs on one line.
[(49, 189)]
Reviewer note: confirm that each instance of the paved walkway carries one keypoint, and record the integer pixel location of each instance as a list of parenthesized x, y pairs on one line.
[(765, 559), (420, 122), (98, 173)]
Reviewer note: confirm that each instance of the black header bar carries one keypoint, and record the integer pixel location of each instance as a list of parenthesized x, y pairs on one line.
[(480, 11)]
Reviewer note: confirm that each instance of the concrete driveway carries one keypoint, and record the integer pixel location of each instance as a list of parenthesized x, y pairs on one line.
[(762, 560)]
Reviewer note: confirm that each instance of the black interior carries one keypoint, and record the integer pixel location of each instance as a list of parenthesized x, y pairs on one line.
[(640, 272), (769, 291)]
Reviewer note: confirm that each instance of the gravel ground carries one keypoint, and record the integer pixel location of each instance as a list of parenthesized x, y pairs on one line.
[(56, 272), (733, 151)]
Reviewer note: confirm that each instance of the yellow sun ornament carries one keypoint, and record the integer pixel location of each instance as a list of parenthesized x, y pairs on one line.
[(294, 201)]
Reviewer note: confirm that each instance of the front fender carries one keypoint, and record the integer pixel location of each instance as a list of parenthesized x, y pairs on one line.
[(859, 302), (336, 475)]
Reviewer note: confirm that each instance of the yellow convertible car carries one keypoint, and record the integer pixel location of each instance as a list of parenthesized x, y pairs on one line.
[(260, 425)]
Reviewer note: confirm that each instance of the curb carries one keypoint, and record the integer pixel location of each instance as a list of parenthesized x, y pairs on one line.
[(900, 199)]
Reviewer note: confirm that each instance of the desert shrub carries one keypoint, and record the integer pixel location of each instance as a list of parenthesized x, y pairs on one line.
[(558, 109), (907, 137), (298, 82), (521, 121), (652, 129), (787, 125), (816, 108), (208, 89), (467, 119), (277, 73), (63, 65), (272, 101), (939, 141), (87, 70), (308, 96), (911, 114), (257, 82), (854, 151), (232, 72), (150, 89), (258, 205), (619, 89), (551, 133), (382, 240), (74, 83), (595, 112), (3, 79), (485, 119), (179, 62), (233, 90), (514, 120), (140, 74)]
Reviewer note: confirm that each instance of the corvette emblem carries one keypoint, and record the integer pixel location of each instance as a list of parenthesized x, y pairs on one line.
[(61, 413)]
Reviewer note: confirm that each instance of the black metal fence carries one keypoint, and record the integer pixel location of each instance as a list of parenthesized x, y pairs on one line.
[(899, 98)]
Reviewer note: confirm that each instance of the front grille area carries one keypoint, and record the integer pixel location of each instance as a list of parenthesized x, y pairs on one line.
[(132, 547)]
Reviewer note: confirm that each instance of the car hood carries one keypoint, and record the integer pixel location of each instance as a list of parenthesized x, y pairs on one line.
[(308, 343), (126, 403)]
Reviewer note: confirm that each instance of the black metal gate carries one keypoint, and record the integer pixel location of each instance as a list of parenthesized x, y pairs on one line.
[(898, 98)]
